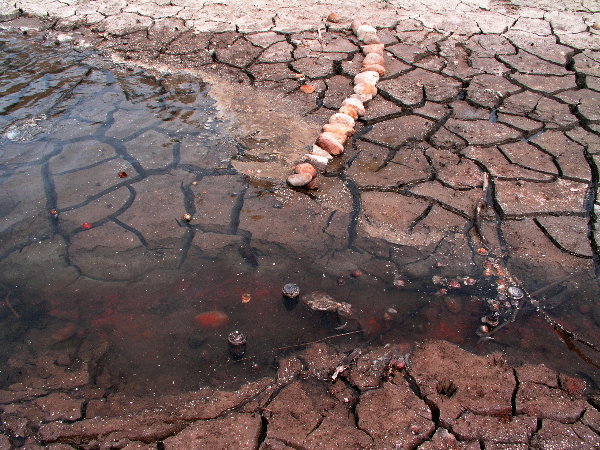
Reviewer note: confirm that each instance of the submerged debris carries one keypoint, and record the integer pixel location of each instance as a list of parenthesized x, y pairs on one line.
[(322, 302), (291, 290)]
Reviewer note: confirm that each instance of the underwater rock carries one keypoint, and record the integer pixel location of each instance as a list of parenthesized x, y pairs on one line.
[(291, 290), (212, 319), (322, 302)]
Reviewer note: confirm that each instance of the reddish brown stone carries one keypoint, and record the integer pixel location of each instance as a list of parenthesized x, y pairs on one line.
[(394, 416)]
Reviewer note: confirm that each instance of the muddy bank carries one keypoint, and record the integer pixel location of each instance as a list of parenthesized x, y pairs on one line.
[(433, 395)]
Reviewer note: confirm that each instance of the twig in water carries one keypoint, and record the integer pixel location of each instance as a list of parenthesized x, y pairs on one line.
[(317, 341), (7, 302)]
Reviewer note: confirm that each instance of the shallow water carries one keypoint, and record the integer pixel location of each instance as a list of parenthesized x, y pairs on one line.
[(98, 165)]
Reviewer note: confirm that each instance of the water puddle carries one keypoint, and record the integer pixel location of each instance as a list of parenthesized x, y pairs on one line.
[(126, 228)]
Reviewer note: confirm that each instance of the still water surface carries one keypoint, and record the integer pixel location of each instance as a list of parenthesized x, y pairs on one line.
[(98, 164)]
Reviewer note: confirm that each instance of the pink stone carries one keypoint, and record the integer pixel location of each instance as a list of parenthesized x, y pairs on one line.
[(299, 179), (368, 77), (373, 48), (373, 58), (356, 104), (375, 68), (343, 119), (365, 89), (371, 38), (329, 143), (306, 168)]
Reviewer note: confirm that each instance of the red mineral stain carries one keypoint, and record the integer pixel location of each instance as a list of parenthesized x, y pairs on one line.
[(86, 225), (212, 319)]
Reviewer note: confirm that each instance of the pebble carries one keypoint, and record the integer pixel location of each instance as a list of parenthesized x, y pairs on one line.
[(334, 18), (375, 68), (373, 58), (187, 217), (515, 292), (596, 26), (329, 143), (356, 104), (368, 77), (306, 168), (291, 290), (343, 119), (373, 48), (356, 24), (316, 150), (319, 161), (362, 30), (356, 273), (307, 88), (350, 110), (365, 89), (299, 179), (338, 128), (371, 38)]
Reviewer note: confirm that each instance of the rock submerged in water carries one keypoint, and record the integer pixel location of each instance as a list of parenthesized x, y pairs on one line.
[(322, 302), (212, 319)]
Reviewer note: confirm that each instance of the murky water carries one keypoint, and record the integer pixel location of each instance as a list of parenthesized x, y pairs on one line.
[(99, 164)]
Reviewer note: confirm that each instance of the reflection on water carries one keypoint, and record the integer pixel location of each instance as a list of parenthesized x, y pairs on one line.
[(99, 165)]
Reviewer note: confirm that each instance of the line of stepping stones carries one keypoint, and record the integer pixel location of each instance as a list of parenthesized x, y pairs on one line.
[(340, 127)]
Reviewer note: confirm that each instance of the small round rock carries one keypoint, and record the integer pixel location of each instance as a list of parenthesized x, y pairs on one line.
[(515, 292), (299, 179), (291, 290)]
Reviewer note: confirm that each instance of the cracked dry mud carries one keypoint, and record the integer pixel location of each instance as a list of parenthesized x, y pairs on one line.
[(506, 91)]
